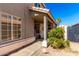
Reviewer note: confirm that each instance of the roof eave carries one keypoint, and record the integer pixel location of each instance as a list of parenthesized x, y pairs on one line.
[(47, 13)]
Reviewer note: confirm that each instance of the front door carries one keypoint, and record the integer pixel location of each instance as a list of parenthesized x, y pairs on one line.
[(37, 30)]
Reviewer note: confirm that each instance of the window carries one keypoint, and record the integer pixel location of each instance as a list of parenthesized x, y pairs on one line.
[(37, 5), (10, 27), (14, 18), (4, 32), (16, 31)]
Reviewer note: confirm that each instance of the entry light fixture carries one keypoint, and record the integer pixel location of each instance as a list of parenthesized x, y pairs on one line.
[(36, 14)]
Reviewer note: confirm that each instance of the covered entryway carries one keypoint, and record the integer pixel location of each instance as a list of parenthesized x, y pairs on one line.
[(42, 17), (39, 26), (38, 29)]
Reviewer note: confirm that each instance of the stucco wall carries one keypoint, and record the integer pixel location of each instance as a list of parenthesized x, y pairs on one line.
[(73, 34), (21, 10)]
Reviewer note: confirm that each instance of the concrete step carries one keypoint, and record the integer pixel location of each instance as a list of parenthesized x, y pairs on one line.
[(29, 50)]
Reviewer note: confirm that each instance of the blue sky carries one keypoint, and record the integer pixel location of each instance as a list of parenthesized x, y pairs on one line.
[(68, 12)]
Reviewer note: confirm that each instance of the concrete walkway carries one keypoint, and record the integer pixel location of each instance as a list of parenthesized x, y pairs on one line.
[(74, 46), (35, 49), (72, 51), (56, 52), (29, 50)]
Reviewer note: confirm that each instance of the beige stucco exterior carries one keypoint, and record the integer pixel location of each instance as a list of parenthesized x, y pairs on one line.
[(22, 10)]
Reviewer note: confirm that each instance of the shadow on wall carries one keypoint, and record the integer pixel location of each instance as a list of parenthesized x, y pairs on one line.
[(73, 33)]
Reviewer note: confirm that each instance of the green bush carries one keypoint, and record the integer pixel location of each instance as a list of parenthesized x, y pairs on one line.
[(51, 40), (57, 44), (52, 33), (58, 33), (56, 39), (66, 43)]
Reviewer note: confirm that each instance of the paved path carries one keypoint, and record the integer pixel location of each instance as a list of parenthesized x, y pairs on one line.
[(56, 52), (29, 50), (36, 50), (72, 51), (74, 46)]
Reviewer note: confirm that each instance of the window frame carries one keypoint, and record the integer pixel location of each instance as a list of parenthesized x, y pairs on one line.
[(10, 19), (37, 4)]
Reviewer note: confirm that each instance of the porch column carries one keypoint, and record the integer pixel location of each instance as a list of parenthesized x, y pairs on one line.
[(65, 34), (44, 43)]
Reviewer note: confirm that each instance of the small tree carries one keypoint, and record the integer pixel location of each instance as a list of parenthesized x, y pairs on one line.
[(58, 21)]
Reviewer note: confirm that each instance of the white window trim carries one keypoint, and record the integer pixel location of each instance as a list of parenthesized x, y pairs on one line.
[(11, 25)]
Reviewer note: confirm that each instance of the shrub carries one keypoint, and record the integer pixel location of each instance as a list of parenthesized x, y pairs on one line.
[(51, 40), (66, 43), (56, 39), (58, 33), (52, 33), (57, 44)]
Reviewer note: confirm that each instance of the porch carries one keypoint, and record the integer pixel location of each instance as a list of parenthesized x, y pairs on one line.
[(9, 48), (43, 22), (28, 50)]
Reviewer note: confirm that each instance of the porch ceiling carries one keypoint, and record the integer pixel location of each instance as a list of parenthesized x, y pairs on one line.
[(38, 17), (42, 13)]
